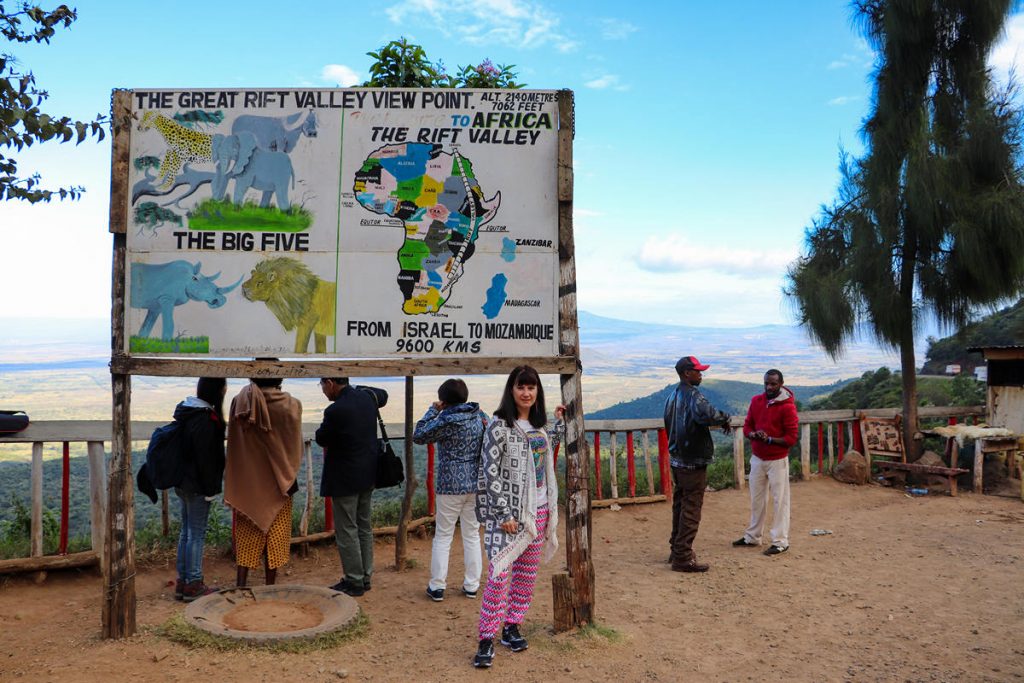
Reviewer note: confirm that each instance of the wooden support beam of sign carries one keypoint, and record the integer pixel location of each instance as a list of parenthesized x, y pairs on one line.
[(121, 123), (202, 367), (118, 553), (573, 594)]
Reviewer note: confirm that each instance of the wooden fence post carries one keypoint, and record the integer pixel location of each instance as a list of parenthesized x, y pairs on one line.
[(979, 465), (97, 494), (738, 464), (36, 525), (805, 452), (831, 448), (647, 464), (613, 465)]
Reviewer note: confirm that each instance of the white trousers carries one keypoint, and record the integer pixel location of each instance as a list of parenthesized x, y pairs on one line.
[(448, 509), (769, 477)]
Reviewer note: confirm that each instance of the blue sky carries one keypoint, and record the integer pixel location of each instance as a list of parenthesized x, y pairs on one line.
[(707, 134)]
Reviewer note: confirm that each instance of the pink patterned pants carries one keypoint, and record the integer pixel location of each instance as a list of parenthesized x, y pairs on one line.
[(508, 595)]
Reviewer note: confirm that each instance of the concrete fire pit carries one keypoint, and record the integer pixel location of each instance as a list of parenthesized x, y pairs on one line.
[(265, 614)]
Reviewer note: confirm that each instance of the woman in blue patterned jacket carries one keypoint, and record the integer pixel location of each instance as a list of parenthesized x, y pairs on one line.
[(457, 427)]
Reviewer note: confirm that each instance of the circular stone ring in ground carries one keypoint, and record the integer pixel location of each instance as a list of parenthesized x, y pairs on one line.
[(263, 614)]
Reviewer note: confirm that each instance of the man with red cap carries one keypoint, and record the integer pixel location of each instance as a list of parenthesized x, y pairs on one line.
[(688, 416)]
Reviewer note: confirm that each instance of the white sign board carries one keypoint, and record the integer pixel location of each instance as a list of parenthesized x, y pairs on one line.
[(347, 223)]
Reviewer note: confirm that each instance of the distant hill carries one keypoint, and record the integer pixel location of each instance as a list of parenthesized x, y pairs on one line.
[(1002, 328), (728, 395), (884, 389)]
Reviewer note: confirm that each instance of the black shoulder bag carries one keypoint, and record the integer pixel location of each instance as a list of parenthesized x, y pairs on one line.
[(390, 470)]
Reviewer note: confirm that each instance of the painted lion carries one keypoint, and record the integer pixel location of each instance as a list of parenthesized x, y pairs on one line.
[(298, 299)]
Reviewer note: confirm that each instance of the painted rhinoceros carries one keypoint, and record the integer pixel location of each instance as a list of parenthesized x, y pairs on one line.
[(159, 287)]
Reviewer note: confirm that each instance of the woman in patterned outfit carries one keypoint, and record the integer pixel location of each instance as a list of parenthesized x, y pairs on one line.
[(517, 502), (264, 452), (457, 427)]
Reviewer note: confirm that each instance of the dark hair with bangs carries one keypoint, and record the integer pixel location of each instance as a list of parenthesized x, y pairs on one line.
[(522, 375)]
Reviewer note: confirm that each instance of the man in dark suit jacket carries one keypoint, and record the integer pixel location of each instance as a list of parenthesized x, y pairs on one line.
[(348, 436)]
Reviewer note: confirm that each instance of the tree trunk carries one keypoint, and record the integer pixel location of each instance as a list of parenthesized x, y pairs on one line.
[(911, 447)]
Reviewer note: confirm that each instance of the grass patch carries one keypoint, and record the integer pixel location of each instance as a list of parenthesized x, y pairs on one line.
[(179, 345), (212, 214), (180, 631), (595, 631)]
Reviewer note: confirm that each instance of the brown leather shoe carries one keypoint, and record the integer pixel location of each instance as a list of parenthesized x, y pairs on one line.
[(691, 567)]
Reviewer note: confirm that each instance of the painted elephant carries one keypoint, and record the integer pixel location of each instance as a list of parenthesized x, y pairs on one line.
[(160, 287), (273, 132), (239, 158)]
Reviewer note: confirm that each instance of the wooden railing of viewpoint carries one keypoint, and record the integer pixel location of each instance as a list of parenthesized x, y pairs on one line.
[(634, 453)]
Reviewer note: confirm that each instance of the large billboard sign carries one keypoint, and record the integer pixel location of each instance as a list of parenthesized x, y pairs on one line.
[(345, 223)]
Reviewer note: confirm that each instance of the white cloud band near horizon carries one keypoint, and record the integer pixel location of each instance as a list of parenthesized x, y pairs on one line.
[(674, 254)]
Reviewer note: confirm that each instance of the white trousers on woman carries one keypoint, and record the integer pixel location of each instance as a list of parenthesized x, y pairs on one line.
[(769, 477), (448, 509)]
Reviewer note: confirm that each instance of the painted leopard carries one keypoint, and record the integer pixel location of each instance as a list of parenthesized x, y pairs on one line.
[(184, 145)]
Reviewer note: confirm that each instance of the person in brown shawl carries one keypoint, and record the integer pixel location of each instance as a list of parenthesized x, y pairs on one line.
[(264, 452)]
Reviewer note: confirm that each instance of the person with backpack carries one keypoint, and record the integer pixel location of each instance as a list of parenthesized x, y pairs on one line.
[(457, 427), (202, 421)]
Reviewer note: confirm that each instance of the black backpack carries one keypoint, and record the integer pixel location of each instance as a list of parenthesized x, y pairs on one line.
[(12, 421), (165, 460)]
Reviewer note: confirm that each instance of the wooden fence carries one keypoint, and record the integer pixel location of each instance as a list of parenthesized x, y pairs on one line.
[(626, 446)]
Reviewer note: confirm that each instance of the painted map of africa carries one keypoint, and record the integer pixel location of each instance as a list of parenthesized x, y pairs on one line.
[(441, 204)]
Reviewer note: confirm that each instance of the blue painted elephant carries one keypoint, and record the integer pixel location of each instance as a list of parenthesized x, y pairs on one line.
[(159, 287), (239, 158), (273, 133)]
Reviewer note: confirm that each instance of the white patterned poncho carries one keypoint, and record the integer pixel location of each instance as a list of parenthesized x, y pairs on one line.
[(508, 490)]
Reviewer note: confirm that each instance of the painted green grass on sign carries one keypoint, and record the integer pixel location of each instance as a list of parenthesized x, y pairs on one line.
[(212, 214), (181, 345)]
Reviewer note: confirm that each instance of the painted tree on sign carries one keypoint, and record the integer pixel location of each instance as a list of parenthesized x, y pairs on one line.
[(22, 122), (931, 219)]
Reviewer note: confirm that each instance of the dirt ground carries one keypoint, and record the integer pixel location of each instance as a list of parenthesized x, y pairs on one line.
[(905, 589)]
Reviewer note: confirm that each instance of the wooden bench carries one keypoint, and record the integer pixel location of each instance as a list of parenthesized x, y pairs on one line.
[(950, 473)]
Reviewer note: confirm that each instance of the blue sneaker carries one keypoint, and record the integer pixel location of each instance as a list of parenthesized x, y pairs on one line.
[(437, 595)]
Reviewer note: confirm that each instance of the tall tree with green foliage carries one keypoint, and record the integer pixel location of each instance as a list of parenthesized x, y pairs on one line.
[(22, 122), (931, 219), (401, 64)]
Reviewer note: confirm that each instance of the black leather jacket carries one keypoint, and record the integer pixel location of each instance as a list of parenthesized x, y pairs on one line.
[(687, 418)]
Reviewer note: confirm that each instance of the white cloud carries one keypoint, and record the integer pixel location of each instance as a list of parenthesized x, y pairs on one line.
[(606, 81), (862, 56), (673, 254), (842, 99), (616, 29), (1008, 54), (344, 76), (516, 23)]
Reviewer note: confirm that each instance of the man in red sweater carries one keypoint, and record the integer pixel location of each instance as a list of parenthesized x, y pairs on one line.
[(772, 426)]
